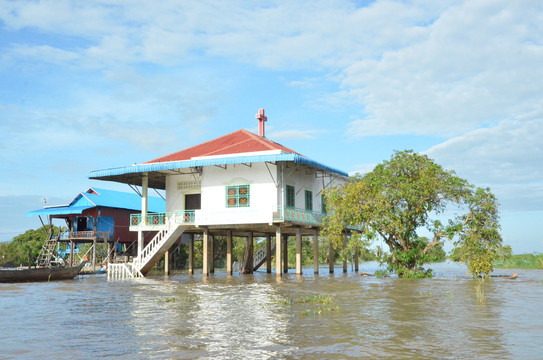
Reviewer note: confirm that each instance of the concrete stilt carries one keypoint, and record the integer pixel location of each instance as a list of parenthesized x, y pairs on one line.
[(278, 237), (229, 252), (250, 252), (205, 253), (331, 255), (211, 254), (191, 254), (285, 254), (268, 254), (94, 255), (316, 252), (298, 251), (345, 253), (167, 263)]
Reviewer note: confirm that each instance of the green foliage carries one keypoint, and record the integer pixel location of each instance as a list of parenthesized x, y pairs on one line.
[(17, 251), (522, 261), (407, 193)]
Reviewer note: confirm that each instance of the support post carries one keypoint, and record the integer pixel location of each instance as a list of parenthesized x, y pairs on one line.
[(167, 263), (356, 256), (316, 252), (278, 241), (268, 254), (211, 254), (345, 253), (229, 252), (94, 255), (72, 252), (298, 251), (205, 253), (191, 254), (331, 255), (144, 188), (285, 254)]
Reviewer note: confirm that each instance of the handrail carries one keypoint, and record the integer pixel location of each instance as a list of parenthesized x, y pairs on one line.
[(184, 217), (152, 247), (298, 215)]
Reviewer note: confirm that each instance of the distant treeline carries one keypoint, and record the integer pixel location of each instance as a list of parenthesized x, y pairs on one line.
[(522, 261)]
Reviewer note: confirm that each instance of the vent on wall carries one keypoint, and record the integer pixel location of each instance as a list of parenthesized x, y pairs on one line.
[(185, 185)]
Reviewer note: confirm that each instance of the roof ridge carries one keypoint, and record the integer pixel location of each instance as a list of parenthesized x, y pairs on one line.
[(260, 139), (192, 147)]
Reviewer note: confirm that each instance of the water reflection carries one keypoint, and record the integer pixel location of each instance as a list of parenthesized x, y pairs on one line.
[(260, 317)]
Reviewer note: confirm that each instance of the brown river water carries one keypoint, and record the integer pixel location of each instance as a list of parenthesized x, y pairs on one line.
[(260, 317)]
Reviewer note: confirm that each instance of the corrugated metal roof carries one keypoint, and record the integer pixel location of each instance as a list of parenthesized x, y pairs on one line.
[(101, 197), (170, 165), (241, 141), (62, 210)]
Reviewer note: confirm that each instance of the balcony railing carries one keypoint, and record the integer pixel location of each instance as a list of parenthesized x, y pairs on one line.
[(184, 217), (67, 235), (297, 215)]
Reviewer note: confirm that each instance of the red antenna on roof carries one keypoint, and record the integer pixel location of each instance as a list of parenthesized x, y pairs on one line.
[(261, 120)]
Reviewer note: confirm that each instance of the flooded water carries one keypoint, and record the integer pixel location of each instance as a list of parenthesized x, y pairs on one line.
[(334, 316)]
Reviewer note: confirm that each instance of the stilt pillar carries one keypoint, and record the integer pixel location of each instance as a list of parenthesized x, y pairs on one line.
[(278, 237), (316, 252), (345, 253), (298, 251), (94, 255), (356, 256), (285, 254), (167, 263), (191, 254), (211, 254), (144, 188), (205, 253), (229, 252), (331, 255), (268, 254), (72, 252)]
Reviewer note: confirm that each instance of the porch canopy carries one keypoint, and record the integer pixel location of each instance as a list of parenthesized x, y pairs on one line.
[(59, 210), (157, 171)]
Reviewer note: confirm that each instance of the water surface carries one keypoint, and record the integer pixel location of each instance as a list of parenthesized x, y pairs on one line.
[(258, 317)]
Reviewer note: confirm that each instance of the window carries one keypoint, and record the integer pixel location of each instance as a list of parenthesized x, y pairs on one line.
[(290, 196), (323, 205), (238, 196), (309, 200)]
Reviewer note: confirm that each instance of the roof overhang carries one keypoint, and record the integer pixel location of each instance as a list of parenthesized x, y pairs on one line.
[(157, 171), (60, 210)]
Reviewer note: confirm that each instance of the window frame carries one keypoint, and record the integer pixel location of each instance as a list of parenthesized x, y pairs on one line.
[(290, 199), (234, 196), (308, 200)]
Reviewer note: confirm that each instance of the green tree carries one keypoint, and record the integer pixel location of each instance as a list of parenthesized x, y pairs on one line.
[(405, 194), (17, 251)]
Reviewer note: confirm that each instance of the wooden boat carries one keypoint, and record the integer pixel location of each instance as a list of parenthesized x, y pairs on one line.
[(39, 274)]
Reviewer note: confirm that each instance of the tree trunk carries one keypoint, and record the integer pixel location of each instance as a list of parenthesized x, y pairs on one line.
[(248, 258)]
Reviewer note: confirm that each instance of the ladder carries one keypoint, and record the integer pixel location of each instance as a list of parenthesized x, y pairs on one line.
[(260, 257), (48, 255)]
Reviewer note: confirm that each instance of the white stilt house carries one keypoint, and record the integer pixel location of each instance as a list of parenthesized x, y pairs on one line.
[(239, 184)]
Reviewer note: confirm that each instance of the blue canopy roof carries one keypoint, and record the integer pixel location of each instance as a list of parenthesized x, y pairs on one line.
[(95, 197), (116, 174)]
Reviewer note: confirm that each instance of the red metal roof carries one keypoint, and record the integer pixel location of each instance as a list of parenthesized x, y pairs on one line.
[(241, 141)]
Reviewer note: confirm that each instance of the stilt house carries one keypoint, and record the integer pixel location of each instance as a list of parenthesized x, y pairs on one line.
[(240, 184)]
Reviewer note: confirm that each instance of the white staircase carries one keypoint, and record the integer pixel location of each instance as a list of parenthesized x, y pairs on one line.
[(260, 257), (152, 253)]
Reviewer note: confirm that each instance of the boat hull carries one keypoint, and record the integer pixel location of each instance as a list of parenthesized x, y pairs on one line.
[(39, 274)]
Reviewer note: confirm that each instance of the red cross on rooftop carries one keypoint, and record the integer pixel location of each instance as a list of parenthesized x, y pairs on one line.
[(261, 119)]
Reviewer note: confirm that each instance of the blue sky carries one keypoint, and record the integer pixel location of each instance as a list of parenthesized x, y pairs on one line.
[(99, 84)]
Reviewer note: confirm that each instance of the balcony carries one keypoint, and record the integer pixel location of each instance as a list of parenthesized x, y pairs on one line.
[(297, 216), (84, 235), (153, 221)]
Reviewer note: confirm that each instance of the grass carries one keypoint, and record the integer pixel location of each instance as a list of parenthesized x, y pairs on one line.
[(324, 303), (522, 261)]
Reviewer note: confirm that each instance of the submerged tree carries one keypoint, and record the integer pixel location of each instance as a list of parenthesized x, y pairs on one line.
[(405, 194)]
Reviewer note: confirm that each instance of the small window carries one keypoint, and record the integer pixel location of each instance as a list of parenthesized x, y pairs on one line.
[(323, 205), (290, 196), (238, 196), (309, 200)]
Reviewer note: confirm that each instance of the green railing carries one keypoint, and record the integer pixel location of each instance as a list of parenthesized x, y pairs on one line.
[(183, 217), (298, 215)]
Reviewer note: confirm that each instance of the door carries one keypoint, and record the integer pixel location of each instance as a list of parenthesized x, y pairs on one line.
[(193, 201)]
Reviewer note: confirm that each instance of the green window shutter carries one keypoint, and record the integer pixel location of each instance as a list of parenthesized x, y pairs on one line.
[(309, 200), (290, 196)]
